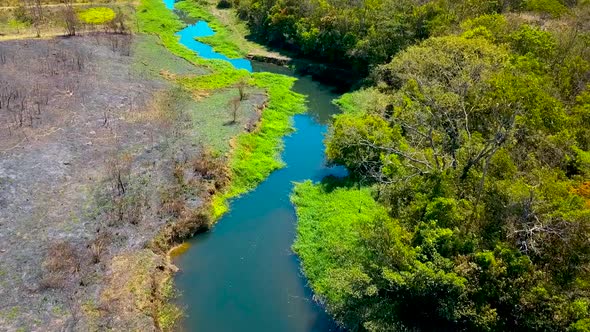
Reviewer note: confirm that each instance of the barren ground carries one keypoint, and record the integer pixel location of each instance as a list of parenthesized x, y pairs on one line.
[(92, 142)]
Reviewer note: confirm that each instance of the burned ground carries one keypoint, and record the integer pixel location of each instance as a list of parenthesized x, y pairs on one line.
[(97, 150)]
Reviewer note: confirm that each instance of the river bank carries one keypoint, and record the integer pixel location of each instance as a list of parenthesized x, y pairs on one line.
[(118, 153), (254, 155), (82, 180), (223, 260), (159, 168)]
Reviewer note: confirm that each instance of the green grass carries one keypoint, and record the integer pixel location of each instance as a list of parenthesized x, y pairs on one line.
[(218, 79), (330, 223), (156, 19), (211, 118), (150, 58), (222, 40), (255, 155)]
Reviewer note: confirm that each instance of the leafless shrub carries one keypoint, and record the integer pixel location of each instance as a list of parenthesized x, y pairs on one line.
[(2, 56), (234, 108), (70, 17), (36, 13), (18, 103), (119, 170), (120, 44), (242, 84), (118, 24), (40, 97), (8, 93), (126, 201), (61, 262), (212, 168), (99, 246)]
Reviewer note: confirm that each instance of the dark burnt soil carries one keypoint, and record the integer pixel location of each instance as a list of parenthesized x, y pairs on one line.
[(92, 142)]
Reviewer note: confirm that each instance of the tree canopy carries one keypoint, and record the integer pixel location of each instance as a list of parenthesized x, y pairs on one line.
[(475, 146)]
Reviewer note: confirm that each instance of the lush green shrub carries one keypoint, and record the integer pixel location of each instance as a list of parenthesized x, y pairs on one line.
[(551, 7), (477, 169), (97, 15)]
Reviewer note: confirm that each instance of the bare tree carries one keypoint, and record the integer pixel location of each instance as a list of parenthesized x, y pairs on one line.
[(120, 44), (2, 56), (36, 12), (70, 18), (118, 24), (234, 106), (242, 84)]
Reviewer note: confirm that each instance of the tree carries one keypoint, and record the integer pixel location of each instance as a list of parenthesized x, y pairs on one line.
[(234, 107), (475, 155), (36, 12), (69, 17), (242, 85)]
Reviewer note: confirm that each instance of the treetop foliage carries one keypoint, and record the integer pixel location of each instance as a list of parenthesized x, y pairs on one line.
[(472, 136)]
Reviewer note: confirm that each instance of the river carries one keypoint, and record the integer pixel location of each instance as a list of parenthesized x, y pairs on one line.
[(242, 275)]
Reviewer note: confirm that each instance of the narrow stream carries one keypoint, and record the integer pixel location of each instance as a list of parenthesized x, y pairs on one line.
[(242, 275)]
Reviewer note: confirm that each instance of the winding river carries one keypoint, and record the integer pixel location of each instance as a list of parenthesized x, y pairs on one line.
[(242, 275)]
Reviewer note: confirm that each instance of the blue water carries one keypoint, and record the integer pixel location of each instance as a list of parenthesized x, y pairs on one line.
[(243, 275), (202, 29), (169, 4)]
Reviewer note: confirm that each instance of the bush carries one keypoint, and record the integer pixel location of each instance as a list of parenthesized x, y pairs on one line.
[(224, 4), (552, 7), (61, 262), (97, 15), (22, 15)]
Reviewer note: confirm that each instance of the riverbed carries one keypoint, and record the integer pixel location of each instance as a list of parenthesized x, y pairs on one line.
[(242, 275)]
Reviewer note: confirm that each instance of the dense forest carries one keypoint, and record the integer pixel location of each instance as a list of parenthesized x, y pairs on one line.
[(468, 201), (365, 33)]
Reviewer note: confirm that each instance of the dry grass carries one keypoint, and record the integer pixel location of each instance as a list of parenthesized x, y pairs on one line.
[(137, 286), (61, 264)]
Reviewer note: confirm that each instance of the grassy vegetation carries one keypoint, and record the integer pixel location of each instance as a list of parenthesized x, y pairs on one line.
[(221, 77), (151, 59), (156, 19), (222, 41), (133, 278), (329, 235), (19, 21), (255, 154), (212, 120), (97, 15)]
